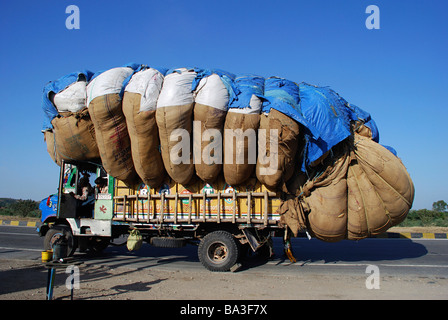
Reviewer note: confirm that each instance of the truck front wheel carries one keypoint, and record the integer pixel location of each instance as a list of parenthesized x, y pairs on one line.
[(218, 251), (60, 231)]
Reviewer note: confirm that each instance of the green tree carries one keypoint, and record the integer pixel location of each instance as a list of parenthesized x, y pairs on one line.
[(440, 206), (25, 208)]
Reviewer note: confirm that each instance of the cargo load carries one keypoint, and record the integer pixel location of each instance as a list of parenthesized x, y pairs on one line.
[(240, 129), (104, 100), (68, 129), (51, 146), (174, 117), (213, 92), (327, 113), (362, 190), (380, 190), (280, 136), (139, 107), (201, 140)]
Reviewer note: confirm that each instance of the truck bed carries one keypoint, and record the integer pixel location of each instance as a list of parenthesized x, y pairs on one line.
[(197, 203)]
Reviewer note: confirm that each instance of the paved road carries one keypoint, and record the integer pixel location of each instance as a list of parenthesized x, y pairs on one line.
[(394, 257)]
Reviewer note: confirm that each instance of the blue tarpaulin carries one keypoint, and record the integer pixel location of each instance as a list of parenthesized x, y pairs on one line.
[(326, 111), (246, 86), (357, 113), (284, 96)]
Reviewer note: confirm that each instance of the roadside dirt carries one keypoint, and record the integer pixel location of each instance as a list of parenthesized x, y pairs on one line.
[(26, 280), (419, 229)]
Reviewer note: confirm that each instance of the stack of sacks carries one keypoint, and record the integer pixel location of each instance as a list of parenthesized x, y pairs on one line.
[(174, 117), (380, 190), (277, 158), (353, 187), (104, 98), (324, 198), (139, 107), (363, 191), (213, 90), (243, 120), (68, 129), (357, 188)]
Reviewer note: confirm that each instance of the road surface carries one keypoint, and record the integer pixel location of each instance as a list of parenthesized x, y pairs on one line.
[(418, 266)]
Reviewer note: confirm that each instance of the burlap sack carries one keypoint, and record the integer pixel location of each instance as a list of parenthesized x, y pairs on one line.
[(174, 117), (389, 178), (288, 142), (112, 137), (144, 136), (51, 147), (292, 215), (361, 129), (366, 215), (169, 119), (208, 118), (74, 136), (325, 199), (236, 173)]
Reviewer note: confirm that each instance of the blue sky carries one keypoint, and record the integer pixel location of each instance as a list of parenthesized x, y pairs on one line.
[(397, 73)]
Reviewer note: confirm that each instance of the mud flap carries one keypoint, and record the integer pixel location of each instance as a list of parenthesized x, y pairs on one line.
[(287, 246)]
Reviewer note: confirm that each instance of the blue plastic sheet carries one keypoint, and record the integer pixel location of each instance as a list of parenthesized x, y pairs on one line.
[(246, 86), (326, 111), (357, 113), (284, 96)]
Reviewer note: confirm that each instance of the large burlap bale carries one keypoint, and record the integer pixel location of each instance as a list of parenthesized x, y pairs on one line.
[(381, 192), (174, 117), (240, 146), (366, 213), (276, 166), (240, 130), (112, 137), (325, 199), (51, 146), (105, 108), (210, 110), (74, 136), (139, 107)]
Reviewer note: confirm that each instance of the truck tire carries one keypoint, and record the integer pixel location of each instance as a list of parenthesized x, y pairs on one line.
[(96, 245), (55, 233), (167, 242), (218, 251)]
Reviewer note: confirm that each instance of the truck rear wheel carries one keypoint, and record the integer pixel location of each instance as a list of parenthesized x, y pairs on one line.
[(218, 251), (167, 242)]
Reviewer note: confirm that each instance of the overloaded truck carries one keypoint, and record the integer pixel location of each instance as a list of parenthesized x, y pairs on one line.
[(224, 222), (226, 161)]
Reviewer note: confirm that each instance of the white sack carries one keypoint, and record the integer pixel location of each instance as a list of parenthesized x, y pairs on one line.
[(110, 81), (73, 98), (148, 84), (212, 92), (176, 89)]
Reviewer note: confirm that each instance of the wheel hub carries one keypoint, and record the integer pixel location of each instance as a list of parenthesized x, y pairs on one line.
[(218, 252)]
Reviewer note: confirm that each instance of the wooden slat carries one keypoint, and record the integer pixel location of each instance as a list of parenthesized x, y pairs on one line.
[(218, 215)]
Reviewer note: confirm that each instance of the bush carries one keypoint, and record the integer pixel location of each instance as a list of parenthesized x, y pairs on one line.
[(22, 208), (425, 218)]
